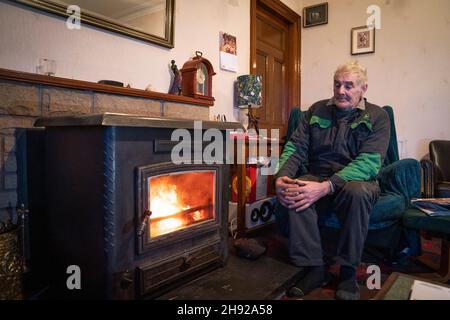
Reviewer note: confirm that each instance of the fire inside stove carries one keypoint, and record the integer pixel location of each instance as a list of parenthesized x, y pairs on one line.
[(180, 200)]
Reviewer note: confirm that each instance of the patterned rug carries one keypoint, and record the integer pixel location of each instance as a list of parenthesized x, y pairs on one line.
[(365, 275)]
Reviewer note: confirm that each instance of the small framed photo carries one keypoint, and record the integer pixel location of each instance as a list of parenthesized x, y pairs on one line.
[(363, 40), (315, 15)]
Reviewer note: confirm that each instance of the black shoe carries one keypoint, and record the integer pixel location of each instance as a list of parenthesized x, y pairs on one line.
[(314, 277), (347, 290)]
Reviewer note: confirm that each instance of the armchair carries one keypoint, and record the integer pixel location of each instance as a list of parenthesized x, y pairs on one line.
[(436, 184), (436, 170), (399, 182)]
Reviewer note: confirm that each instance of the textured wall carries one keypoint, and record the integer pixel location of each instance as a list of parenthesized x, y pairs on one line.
[(409, 70), (91, 54), (296, 5)]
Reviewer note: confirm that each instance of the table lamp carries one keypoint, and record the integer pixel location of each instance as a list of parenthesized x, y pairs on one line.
[(249, 95)]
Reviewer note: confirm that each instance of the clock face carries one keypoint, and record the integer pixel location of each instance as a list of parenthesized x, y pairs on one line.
[(201, 77), (201, 83)]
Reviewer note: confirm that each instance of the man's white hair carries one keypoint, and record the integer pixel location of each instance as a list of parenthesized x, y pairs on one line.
[(353, 67)]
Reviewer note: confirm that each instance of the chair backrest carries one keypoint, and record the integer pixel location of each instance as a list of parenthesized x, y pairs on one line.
[(392, 151), (295, 116), (440, 155), (392, 154)]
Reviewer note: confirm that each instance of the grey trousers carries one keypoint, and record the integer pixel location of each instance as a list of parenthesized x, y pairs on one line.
[(352, 205)]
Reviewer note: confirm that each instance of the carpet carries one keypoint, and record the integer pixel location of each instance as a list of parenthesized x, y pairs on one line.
[(374, 257)]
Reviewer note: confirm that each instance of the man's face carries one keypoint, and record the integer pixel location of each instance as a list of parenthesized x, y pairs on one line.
[(348, 90)]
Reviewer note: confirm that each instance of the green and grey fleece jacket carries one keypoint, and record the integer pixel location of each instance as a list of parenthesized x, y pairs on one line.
[(337, 145)]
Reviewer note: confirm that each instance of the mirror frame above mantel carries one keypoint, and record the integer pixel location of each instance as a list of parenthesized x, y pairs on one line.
[(110, 24)]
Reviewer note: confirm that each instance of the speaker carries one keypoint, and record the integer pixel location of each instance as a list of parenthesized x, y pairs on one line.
[(256, 214), (259, 212)]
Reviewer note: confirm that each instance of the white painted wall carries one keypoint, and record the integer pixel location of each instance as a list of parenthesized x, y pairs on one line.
[(92, 54), (410, 69), (296, 5)]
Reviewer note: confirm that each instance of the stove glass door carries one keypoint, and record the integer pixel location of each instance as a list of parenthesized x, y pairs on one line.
[(179, 200)]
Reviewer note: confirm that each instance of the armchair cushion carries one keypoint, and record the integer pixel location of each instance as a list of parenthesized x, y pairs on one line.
[(399, 182), (387, 211), (401, 177)]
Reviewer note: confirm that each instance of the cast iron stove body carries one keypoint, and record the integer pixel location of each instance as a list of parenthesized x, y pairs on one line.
[(117, 207)]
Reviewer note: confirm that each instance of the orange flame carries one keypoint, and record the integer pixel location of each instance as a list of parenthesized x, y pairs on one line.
[(170, 195)]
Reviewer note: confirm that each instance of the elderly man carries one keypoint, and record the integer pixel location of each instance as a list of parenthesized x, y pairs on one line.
[(330, 164)]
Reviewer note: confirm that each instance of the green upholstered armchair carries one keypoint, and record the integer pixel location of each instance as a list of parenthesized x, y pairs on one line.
[(399, 181)]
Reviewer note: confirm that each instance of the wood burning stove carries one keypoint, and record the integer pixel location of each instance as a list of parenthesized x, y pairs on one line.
[(135, 223)]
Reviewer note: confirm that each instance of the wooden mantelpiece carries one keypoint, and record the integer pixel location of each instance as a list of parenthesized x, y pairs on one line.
[(6, 74)]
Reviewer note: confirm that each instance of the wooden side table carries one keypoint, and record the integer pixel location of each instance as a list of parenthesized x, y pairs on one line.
[(244, 148)]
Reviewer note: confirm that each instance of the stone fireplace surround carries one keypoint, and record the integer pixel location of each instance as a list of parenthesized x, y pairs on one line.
[(24, 97)]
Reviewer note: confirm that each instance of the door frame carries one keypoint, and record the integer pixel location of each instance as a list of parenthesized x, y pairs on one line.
[(293, 20)]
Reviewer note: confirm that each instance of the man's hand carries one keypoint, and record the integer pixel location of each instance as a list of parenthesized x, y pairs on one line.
[(305, 193), (282, 184)]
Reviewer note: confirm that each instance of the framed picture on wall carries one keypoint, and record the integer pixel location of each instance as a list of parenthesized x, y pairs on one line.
[(228, 52), (315, 15), (363, 40)]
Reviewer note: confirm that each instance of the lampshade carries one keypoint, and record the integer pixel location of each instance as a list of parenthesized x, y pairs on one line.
[(249, 91)]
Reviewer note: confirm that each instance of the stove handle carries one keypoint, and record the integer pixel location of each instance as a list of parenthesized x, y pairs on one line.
[(126, 279), (144, 222), (187, 261)]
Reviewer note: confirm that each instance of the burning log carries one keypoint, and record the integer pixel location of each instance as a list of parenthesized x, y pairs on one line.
[(181, 214)]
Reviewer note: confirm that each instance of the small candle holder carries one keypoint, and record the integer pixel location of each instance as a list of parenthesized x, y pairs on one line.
[(47, 67)]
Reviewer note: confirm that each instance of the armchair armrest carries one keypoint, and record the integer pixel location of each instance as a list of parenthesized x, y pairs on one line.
[(401, 177), (427, 176)]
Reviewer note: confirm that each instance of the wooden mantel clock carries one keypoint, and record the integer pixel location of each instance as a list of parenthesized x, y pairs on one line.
[(196, 78)]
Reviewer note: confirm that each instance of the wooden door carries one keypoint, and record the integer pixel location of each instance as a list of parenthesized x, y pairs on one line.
[(275, 54)]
